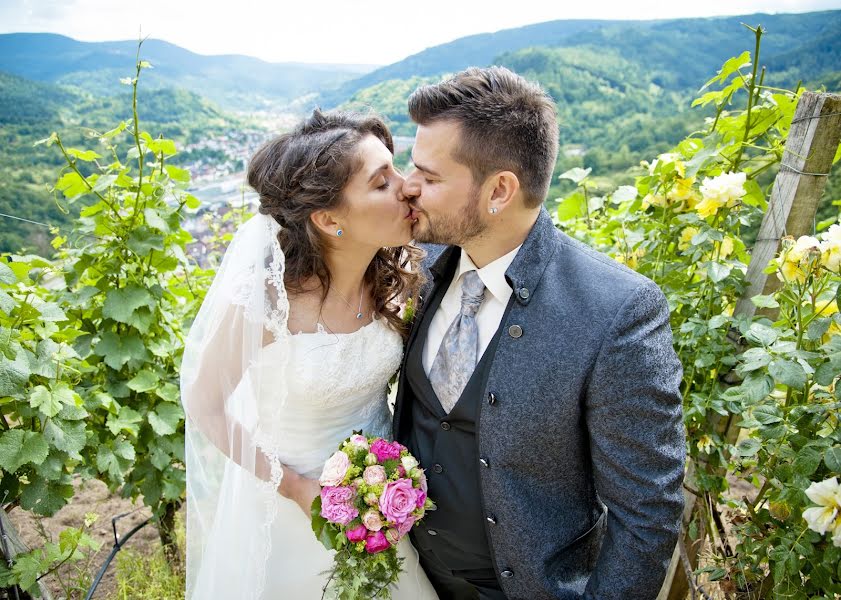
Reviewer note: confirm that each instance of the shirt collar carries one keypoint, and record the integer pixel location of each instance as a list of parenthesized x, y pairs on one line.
[(492, 274)]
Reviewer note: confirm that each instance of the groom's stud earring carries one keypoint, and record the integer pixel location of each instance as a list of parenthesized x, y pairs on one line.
[(493, 210), (339, 233)]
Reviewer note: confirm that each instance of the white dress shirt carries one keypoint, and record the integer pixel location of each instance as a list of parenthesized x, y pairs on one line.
[(497, 294)]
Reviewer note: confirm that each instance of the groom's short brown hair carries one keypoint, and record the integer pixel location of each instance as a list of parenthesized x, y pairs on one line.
[(507, 124)]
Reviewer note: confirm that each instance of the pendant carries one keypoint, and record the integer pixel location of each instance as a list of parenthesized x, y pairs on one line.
[(359, 315)]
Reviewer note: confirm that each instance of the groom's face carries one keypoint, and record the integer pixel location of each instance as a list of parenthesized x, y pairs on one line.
[(441, 191)]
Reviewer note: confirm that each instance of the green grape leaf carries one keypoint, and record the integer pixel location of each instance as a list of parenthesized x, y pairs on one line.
[(120, 304), (44, 497), (19, 447), (119, 350), (68, 436), (126, 420), (165, 418), (144, 381)]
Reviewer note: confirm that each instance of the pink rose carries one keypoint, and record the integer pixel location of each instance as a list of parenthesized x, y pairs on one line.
[(398, 500), (404, 527), (421, 498), (335, 469), (385, 450), (371, 519), (374, 475), (357, 534), (337, 504), (401, 471), (359, 441), (376, 542)]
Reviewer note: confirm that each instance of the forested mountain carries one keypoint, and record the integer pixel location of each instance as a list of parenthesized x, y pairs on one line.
[(233, 81), (623, 90), (679, 52), (31, 110)]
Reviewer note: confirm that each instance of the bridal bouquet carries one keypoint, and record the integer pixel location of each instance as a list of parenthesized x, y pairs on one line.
[(372, 493)]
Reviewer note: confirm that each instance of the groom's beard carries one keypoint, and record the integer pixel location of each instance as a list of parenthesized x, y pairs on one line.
[(453, 230)]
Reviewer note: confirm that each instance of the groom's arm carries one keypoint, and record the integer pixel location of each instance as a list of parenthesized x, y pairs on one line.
[(634, 418)]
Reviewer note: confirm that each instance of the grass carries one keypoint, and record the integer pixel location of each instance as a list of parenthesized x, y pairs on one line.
[(150, 577)]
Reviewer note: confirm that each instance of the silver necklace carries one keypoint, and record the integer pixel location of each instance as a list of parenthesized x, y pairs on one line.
[(350, 306)]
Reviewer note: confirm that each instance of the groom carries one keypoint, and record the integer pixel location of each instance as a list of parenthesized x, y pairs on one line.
[(540, 387)]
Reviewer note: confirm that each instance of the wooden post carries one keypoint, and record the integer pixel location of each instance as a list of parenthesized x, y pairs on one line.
[(810, 147), (16, 546)]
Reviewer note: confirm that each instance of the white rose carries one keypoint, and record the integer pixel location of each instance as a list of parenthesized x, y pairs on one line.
[(802, 247), (726, 188), (374, 475), (409, 463), (335, 469), (833, 234), (372, 521), (827, 495)]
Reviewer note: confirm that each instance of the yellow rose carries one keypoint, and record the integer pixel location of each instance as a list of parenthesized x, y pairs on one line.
[(709, 206), (797, 261), (831, 249), (686, 237), (653, 200), (683, 187)]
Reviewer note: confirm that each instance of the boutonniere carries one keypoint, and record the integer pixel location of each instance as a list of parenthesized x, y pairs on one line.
[(409, 310)]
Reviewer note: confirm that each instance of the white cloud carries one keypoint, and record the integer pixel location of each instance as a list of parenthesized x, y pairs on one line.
[(366, 31)]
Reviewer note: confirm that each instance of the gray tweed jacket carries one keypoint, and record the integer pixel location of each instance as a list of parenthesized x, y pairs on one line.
[(580, 424)]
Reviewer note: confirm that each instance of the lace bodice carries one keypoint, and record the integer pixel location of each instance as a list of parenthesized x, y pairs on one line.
[(335, 384)]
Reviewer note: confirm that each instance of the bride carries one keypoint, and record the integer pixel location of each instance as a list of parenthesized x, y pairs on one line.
[(291, 352)]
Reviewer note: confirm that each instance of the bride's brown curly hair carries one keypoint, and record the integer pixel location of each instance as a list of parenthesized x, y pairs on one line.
[(306, 170)]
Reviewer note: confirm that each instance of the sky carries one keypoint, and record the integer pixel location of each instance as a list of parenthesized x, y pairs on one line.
[(338, 31)]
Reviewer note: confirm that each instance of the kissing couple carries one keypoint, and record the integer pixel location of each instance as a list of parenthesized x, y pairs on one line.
[(538, 386)]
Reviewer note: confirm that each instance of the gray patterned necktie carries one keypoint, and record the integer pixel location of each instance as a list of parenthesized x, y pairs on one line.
[(458, 353)]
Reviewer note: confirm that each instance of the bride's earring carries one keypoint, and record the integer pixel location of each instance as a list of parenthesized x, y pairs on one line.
[(493, 210), (339, 233)]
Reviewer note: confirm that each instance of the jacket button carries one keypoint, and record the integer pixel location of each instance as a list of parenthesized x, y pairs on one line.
[(437, 468), (491, 398), (507, 574), (524, 293), (445, 426), (491, 519), (515, 331), (431, 532), (484, 462)]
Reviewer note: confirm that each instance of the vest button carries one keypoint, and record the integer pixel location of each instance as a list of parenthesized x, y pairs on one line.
[(507, 574), (437, 468), (431, 532), (445, 426), (484, 462), (515, 331), (524, 293), (491, 519), (491, 398)]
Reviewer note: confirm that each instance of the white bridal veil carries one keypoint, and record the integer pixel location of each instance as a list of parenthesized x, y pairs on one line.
[(231, 503)]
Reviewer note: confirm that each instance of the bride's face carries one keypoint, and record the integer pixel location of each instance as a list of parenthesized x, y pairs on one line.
[(374, 211)]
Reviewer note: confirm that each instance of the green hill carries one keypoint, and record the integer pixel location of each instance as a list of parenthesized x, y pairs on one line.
[(31, 110), (233, 81), (680, 53)]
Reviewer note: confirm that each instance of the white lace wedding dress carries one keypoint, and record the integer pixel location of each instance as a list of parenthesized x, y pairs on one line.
[(336, 384)]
